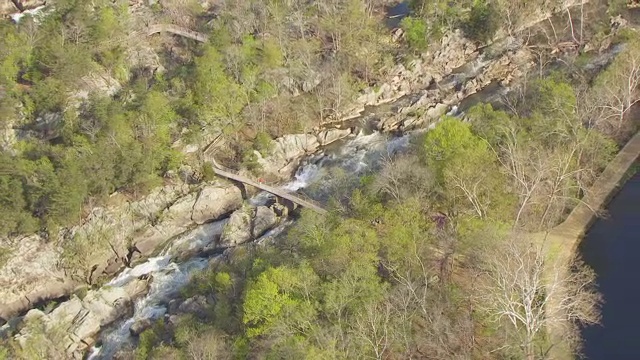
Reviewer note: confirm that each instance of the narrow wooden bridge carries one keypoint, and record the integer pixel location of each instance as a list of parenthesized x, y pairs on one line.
[(270, 189), (177, 30)]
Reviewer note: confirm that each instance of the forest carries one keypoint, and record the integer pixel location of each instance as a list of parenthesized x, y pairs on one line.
[(243, 82), (431, 257)]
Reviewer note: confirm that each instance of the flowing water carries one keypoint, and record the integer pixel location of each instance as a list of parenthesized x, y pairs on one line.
[(36, 13), (355, 156), (396, 13), (341, 164)]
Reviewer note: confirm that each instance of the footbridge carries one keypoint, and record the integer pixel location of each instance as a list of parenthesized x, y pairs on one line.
[(270, 189), (177, 30)]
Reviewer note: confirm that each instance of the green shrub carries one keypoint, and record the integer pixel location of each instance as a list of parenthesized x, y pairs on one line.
[(207, 172), (263, 143), (616, 7), (250, 161), (415, 33), (482, 23)]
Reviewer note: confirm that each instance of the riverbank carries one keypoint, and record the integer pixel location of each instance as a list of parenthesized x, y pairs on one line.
[(562, 242)]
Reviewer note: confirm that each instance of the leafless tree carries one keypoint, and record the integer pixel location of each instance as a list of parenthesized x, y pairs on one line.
[(402, 178), (471, 188), (373, 327), (617, 89), (526, 167), (533, 296), (207, 346)]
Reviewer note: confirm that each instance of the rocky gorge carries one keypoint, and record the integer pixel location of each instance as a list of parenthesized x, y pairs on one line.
[(218, 212)]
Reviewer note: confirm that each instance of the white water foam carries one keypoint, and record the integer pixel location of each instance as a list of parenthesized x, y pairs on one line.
[(168, 278), (305, 175), (167, 281), (35, 12)]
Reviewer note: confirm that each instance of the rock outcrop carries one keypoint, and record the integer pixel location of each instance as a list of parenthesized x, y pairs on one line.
[(328, 136), (238, 229), (30, 274), (286, 152), (213, 202), (8, 6), (246, 224), (140, 326), (428, 105), (264, 219), (37, 270), (453, 51), (72, 326), (196, 305)]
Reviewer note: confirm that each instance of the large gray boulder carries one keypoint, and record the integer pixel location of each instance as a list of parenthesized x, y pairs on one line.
[(285, 154), (294, 146), (437, 111), (79, 319), (211, 203), (265, 218), (328, 136), (215, 201), (196, 305), (140, 326), (246, 224), (238, 229), (30, 274)]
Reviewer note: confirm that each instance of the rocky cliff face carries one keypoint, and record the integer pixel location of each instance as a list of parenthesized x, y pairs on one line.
[(71, 327), (37, 269)]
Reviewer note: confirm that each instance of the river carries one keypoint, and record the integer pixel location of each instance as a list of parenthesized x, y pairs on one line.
[(334, 169), (319, 176), (611, 248), (338, 166)]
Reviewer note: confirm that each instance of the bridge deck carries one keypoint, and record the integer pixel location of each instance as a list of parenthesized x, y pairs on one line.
[(157, 28), (270, 189)]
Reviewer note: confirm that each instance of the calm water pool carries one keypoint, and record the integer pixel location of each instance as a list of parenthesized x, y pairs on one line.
[(612, 249)]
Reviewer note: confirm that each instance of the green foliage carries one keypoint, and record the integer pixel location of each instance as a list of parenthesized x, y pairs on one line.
[(452, 140), (415, 32), (80, 251), (13, 53), (14, 218), (5, 255), (483, 21), (616, 7), (44, 342), (218, 98), (207, 172), (466, 169), (4, 353), (147, 341), (264, 302), (263, 143), (250, 161)]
